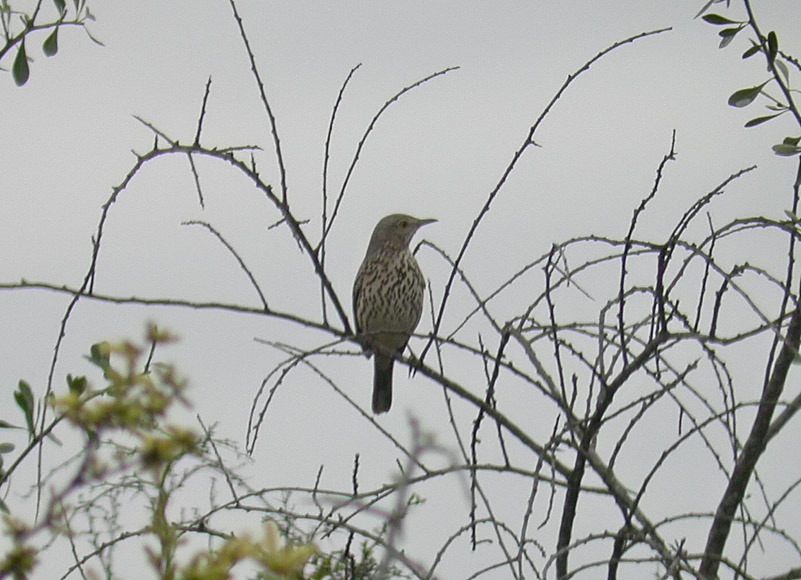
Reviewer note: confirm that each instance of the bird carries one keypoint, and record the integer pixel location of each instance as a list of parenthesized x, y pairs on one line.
[(388, 299)]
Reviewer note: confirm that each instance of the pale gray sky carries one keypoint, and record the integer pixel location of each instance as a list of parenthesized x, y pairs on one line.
[(66, 139)]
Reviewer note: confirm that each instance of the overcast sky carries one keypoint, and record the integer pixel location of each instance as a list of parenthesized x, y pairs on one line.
[(66, 138)]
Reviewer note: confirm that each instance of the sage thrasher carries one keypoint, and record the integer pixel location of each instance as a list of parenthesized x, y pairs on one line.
[(388, 299)]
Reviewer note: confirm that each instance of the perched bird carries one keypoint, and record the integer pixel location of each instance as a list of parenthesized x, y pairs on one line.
[(388, 298)]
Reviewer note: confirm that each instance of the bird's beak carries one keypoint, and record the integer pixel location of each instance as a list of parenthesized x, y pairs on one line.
[(421, 223)]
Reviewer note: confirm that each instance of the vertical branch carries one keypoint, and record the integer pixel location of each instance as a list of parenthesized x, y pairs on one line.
[(788, 282), (752, 450), (775, 377), (327, 151), (576, 476), (671, 156), (554, 336), (707, 267), (326, 157), (490, 402), (202, 116), (659, 319), (279, 156), (202, 113)]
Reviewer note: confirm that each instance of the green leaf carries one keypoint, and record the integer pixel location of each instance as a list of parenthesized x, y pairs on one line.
[(782, 69), (729, 31), (6, 447), (791, 140), (717, 20), (54, 439), (786, 150), (99, 354), (745, 97), (77, 385), (752, 51), (760, 120), (60, 6), (7, 425), (24, 397), (725, 41), (773, 46), (19, 69), (3, 506), (50, 46), (704, 9)]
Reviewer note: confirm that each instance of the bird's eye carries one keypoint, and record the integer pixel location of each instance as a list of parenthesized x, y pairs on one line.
[(404, 223)]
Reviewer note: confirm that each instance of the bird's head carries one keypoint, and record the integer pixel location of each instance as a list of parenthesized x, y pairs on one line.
[(396, 230)]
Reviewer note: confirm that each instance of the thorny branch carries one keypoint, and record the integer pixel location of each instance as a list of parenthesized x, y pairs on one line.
[(602, 368)]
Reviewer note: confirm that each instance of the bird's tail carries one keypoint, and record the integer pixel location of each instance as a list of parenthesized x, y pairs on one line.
[(382, 383)]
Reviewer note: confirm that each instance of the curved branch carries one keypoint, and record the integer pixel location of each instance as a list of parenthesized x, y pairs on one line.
[(528, 142)]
